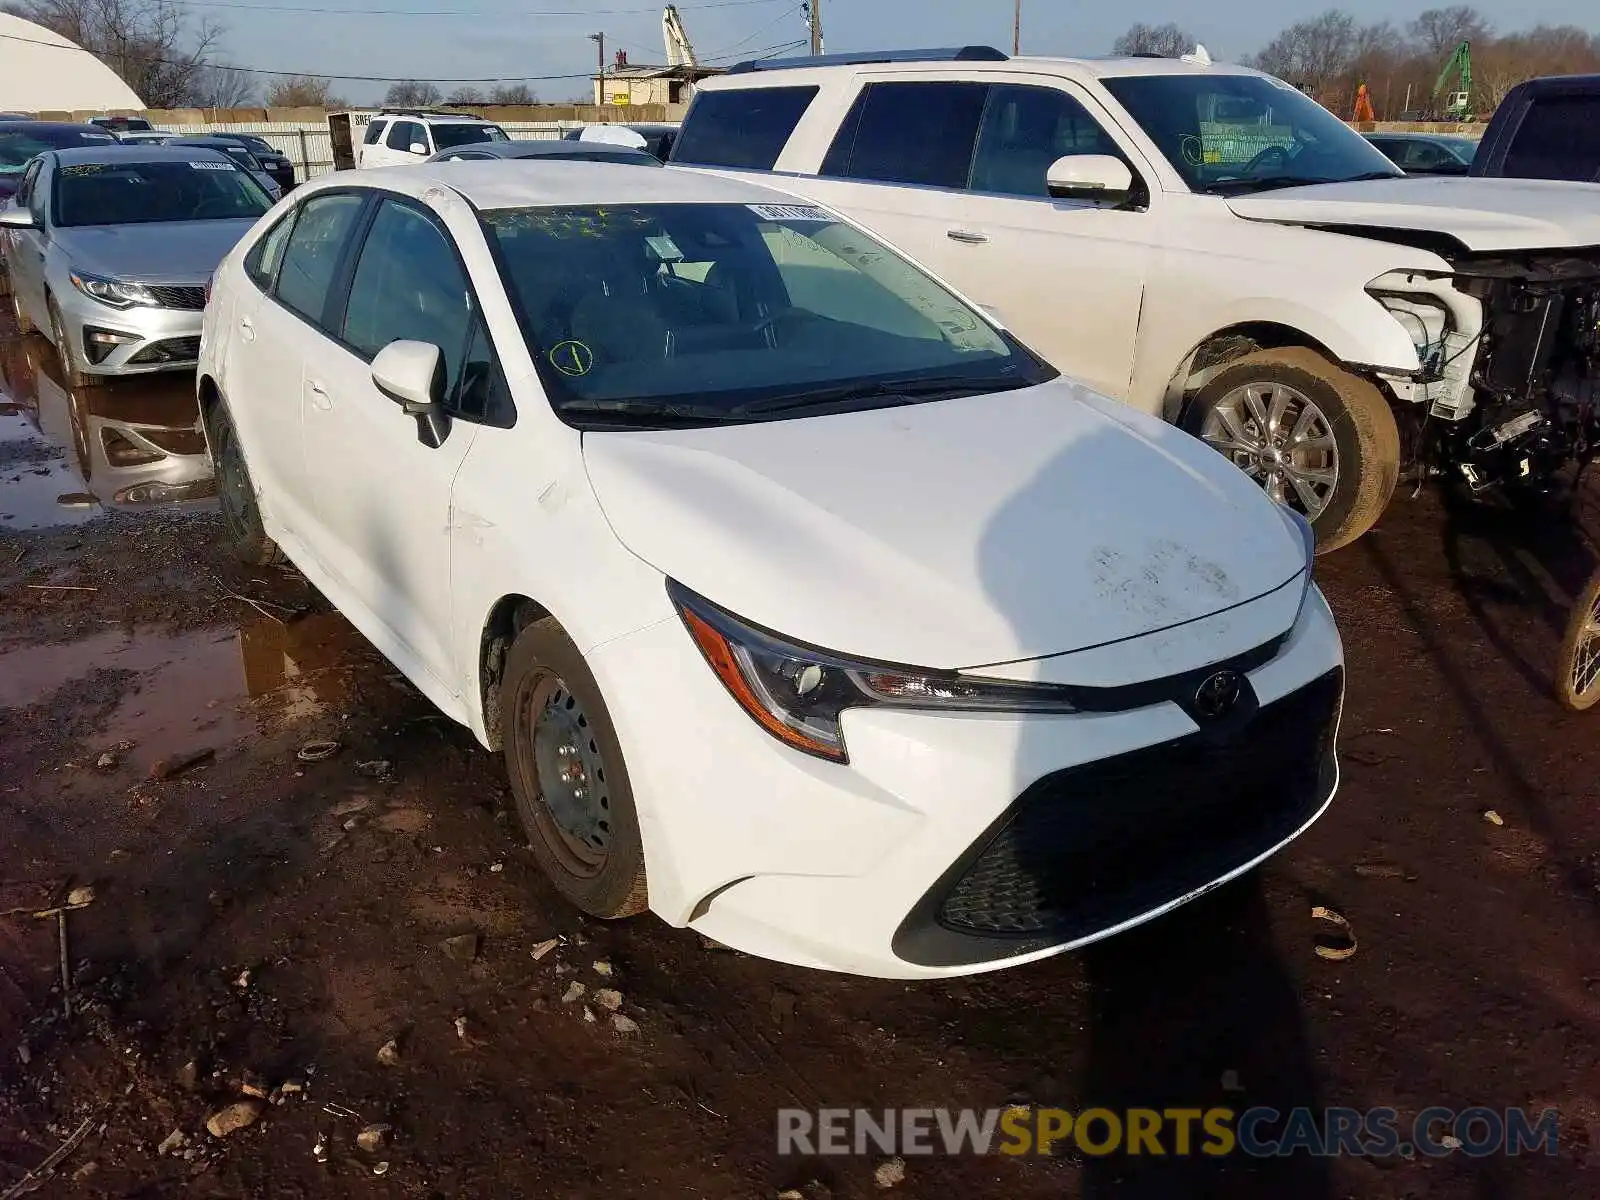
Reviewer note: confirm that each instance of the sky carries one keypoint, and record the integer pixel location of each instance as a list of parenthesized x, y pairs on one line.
[(524, 39)]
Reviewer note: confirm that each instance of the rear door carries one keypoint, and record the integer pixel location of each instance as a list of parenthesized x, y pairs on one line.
[(1557, 138)]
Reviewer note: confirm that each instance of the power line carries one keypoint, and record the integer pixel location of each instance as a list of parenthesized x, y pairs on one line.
[(748, 38), (457, 12)]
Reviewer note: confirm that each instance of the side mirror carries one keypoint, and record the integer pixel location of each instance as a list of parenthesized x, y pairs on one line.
[(412, 375), (1099, 177), (418, 148), (16, 218)]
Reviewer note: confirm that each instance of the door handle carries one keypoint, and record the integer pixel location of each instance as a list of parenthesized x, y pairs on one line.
[(319, 396), (971, 236), (246, 329)]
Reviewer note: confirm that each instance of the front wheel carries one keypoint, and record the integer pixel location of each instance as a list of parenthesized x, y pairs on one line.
[(72, 376), (1578, 667), (241, 514), (1316, 437), (568, 777)]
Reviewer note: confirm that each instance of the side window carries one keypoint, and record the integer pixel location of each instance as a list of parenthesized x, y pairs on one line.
[(374, 132), (1392, 150), (409, 284), (910, 133), (402, 134), (36, 193), (1025, 129), (745, 128), (1559, 138), (25, 188), (1424, 154), (482, 394), (312, 256), (262, 263)]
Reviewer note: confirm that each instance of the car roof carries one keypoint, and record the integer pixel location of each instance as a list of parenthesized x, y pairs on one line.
[(523, 183), (436, 117), (1098, 68), (53, 126), (165, 152)]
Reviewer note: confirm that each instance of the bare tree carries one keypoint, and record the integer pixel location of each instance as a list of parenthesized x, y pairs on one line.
[(220, 86), (303, 91), (467, 95), (1316, 54), (413, 93), (153, 45), (1169, 41), (514, 93), (1438, 31)]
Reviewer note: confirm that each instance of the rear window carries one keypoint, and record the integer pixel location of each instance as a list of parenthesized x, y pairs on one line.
[(445, 136), (17, 146), (746, 128), (1559, 138), (374, 132)]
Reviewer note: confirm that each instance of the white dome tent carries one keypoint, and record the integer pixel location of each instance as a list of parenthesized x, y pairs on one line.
[(42, 71)]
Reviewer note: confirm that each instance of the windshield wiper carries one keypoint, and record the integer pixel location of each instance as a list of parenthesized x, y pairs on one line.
[(1272, 182), (628, 411), (942, 386)]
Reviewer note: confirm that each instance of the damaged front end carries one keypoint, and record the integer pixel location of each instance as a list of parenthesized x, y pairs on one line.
[(1509, 347)]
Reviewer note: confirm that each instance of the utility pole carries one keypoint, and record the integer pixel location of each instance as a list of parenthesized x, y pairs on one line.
[(815, 8), (1016, 28), (600, 90)]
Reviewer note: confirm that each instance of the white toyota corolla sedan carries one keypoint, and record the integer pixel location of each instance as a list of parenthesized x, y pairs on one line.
[(808, 607)]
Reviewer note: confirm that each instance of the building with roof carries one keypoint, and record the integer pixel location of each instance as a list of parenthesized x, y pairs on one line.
[(41, 71)]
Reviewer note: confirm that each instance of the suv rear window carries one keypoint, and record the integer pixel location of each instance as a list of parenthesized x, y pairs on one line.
[(746, 127), (445, 136), (374, 131), (1559, 138)]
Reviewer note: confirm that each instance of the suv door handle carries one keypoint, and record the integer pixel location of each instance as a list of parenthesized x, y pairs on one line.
[(247, 330), (319, 396), (971, 236)]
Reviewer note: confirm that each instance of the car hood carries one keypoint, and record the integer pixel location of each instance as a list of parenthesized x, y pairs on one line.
[(952, 534), (152, 252), (1481, 214)]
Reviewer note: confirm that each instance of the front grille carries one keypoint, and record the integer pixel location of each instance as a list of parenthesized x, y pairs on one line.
[(171, 350), (1087, 848), (178, 297)]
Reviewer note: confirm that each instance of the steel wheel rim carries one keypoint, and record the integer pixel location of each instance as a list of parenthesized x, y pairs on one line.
[(1278, 436), (561, 755), (234, 491), (1586, 653)]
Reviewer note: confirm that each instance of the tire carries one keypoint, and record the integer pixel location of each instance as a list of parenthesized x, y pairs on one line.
[(71, 375), (241, 514), (554, 720), (1578, 667), (1342, 480)]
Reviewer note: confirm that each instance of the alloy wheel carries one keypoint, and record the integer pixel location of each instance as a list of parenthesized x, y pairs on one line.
[(1279, 437), (1586, 654)]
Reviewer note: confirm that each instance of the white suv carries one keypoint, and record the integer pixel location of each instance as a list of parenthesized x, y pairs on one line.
[(783, 577), (393, 139), (1210, 245)]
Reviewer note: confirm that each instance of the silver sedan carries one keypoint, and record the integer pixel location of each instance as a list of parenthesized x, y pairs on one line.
[(110, 250)]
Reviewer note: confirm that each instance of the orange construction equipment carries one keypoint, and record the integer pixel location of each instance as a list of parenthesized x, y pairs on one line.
[(1364, 105)]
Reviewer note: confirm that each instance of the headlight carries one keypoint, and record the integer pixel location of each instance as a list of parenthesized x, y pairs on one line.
[(114, 292), (1424, 319), (797, 693)]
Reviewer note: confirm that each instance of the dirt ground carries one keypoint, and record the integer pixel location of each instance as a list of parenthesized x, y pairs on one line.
[(259, 921)]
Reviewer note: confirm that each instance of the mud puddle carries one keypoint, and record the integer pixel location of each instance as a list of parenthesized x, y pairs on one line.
[(209, 689), (39, 487)]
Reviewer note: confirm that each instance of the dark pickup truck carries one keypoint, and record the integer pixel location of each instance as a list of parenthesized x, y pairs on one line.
[(1545, 129)]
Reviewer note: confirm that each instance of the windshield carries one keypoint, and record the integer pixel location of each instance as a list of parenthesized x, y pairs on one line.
[(705, 312), (129, 193), (1242, 133), (445, 136), (18, 146)]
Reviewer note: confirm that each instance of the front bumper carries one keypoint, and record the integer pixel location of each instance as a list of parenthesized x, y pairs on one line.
[(160, 339), (909, 861)]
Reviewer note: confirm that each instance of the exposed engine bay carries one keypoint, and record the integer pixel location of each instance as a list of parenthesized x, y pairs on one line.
[(1530, 398)]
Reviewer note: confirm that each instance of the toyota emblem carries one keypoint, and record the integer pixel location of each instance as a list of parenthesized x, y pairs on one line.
[(1218, 694)]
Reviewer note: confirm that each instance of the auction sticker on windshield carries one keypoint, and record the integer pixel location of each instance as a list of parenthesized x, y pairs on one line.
[(788, 212), (212, 166)]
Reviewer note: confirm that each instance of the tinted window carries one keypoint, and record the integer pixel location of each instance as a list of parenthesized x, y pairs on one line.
[(1559, 138), (403, 133), (746, 128), (717, 306), (1025, 129), (374, 132), (445, 136), (261, 264), (127, 193), (910, 133), (1393, 150), (25, 189), (313, 253), (482, 395), (409, 285)]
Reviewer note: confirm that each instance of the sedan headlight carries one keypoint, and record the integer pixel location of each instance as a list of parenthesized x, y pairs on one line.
[(797, 692), (114, 292)]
